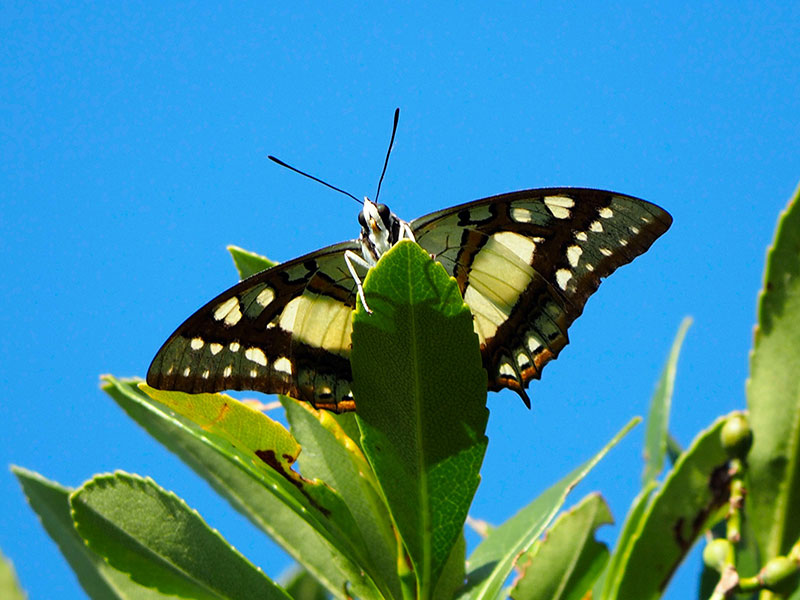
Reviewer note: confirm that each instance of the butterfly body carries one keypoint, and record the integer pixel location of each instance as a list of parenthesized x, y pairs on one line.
[(525, 262)]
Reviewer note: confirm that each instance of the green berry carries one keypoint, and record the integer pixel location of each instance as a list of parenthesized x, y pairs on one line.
[(736, 436), (717, 554)]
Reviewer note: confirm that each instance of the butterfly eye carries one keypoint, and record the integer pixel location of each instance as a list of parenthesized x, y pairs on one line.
[(362, 221), (384, 213)]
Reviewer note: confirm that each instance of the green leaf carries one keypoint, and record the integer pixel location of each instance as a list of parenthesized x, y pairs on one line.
[(245, 428), (566, 562), (773, 395), (420, 389), (249, 263), (260, 497), (270, 450), (454, 572), (493, 560), (674, 449), (9, 584), (686, 505), (145, 531), (656, 435), (331, 456), (629, 532), (99, 580), (301, 585)]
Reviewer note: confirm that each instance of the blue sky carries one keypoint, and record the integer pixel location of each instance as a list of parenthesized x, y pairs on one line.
[(133, 145)]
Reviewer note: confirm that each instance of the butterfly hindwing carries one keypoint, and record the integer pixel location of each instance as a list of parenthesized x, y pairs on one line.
[(285, 330), (526, 262)]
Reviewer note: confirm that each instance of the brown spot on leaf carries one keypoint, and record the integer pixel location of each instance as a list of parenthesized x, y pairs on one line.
[(719, 486), (268, 456)]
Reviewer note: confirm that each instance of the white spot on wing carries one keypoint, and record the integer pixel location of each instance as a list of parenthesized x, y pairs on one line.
[(606, 213), (256, 355), (564, 201), (507, 370), (574, 255), (233, 317), (559, 206), (186, 371), (196, 343), (215, 348), (206, 374), (234, 346), (634, 229), (581, 236), (533, 343), (605, 252), (596, 226), (223, 309), (283, 365), (265, 296), (562, 278), (228, 370), (521, 215)]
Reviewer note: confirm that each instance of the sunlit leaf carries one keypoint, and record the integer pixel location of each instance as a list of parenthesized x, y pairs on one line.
[(422, 405), (773, 395)]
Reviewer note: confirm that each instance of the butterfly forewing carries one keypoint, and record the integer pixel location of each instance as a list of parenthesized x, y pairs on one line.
[(526, 263), (285, 330)]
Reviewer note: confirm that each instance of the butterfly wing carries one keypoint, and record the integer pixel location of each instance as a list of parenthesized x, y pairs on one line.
[(285, 330), (526, 262)]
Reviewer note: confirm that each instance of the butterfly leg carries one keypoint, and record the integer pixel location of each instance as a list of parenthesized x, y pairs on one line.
[(351, 257)]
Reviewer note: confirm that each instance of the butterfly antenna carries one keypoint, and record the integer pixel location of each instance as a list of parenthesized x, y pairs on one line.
[(318, 180), (388, 152)]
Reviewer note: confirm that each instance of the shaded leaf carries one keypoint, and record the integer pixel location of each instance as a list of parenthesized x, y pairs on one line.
[(566, 562), (674, 449), (687, 504), (773, 395), (454, 572), (150, 533), (333, 457), (99, 580), (249, 263), (493, 560), (656, 434), (422, 406), (270, 507), (301, 585), (615, 568)]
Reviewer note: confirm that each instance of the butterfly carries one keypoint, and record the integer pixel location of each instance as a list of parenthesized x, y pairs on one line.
[(525, 262)]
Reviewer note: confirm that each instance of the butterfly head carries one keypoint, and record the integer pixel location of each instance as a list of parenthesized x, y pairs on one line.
[(380, 228)]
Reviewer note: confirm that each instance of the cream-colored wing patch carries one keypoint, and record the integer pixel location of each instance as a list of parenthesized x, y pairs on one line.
[(319, 321), (523, 246), (499, 274)]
